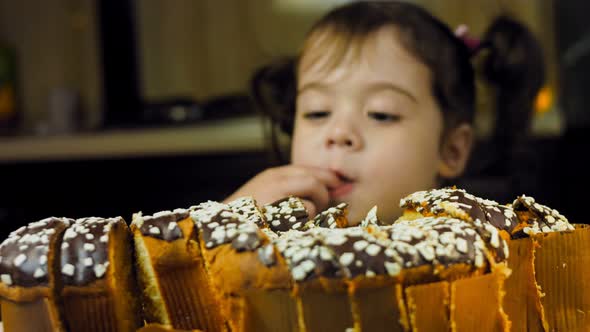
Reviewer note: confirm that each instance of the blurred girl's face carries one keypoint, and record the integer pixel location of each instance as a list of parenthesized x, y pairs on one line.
[(373, 120)]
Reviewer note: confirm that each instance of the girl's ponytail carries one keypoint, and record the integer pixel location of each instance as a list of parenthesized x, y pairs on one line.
[(515, 67)]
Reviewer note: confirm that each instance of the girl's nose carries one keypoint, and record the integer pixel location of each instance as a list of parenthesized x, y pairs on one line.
[(344, 136)]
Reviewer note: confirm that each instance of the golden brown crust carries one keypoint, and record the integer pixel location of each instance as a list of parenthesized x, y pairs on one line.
[(169, 253), (38, 315), (239, 275), (244, 271), (23, 294)]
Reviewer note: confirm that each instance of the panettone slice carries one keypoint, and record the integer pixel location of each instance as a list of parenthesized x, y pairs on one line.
[(248, 277), (96, 269), (29, 260), (172, 277)]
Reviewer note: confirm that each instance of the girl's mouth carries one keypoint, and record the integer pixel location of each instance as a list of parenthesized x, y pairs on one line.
[(344, 188)]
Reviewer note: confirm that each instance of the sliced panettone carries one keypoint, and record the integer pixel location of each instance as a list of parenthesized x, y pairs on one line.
[(331, 266), (175, 287), (29, 258), (96, 269), (492, 221), (248, 277)]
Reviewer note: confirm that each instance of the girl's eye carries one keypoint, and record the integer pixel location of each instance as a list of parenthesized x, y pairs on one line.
[(315, 115), (384, 117)]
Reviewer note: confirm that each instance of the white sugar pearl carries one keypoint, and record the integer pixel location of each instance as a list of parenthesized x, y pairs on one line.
[(68, 269), (346, 258), (20, 259), (99, 270), (39, 273), (6, 279), (88, 261)]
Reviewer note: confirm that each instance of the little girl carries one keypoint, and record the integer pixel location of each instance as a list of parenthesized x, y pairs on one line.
[(383, 105)]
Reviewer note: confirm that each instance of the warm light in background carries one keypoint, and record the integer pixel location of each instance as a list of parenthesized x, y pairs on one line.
[(544, 100), (6, 101)]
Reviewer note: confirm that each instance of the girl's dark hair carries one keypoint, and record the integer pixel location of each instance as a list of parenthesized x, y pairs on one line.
[(513, 64), (274, 90)]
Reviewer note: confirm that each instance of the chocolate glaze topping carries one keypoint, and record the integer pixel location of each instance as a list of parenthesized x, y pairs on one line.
[(285, 214), (23, 255), (356, 251), (334, 217), (542, 219), (218, 225), (247, 207), (463, 229), (306, 255), (488, 216), (85, 250), (163, 225)]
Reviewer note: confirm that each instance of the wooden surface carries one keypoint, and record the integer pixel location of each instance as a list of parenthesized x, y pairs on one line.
[(235, 135)]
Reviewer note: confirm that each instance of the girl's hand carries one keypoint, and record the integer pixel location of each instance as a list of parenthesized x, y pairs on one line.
[(309, 183)]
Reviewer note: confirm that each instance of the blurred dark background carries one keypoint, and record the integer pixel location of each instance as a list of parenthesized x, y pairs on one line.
[(116, 106)]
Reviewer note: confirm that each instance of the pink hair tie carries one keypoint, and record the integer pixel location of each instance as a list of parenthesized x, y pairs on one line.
[(462, 32)]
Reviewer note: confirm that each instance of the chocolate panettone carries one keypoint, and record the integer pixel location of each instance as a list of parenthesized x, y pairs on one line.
[(544, 291), (171, 272), (96, 271), (299, 274), (452, 262), (254, 276), (29, 265), (60, 274)]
